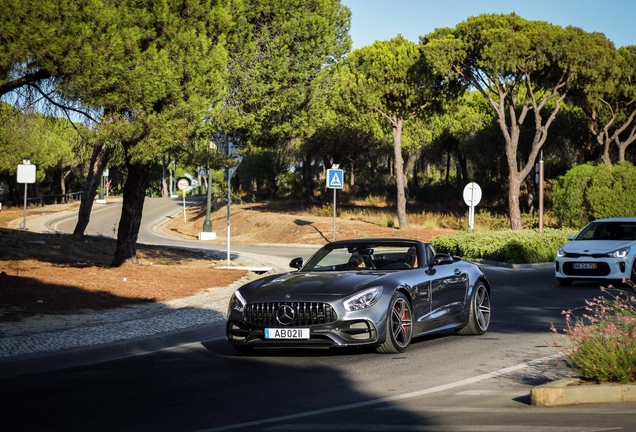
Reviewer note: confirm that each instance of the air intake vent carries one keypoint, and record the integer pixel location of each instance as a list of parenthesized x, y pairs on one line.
[(305, 314)]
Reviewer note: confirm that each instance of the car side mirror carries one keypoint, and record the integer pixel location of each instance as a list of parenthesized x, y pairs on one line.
[(442, 259), (296, 263), (571, 237)]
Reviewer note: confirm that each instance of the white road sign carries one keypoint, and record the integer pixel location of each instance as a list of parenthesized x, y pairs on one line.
[(472, 194), (183, 184)]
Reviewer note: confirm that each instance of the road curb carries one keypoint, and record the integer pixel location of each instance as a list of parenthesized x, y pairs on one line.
[(574, 391), (508, 265)]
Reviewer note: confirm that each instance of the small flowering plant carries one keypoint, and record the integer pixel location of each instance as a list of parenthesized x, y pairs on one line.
[(600, 344)]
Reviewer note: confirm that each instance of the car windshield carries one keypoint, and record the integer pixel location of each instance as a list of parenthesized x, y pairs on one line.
[(608, 231), (359, 257)]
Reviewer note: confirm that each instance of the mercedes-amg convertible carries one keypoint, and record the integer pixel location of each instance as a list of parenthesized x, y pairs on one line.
[(364, 292)]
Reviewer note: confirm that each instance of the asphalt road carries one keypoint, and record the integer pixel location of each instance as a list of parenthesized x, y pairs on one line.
[(105, 219), (442, 383)]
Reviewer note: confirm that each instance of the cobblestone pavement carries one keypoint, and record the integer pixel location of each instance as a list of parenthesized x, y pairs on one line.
[(45, 335)]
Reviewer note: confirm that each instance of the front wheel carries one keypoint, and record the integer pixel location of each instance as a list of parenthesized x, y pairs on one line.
[(479, 316), (399, 326)]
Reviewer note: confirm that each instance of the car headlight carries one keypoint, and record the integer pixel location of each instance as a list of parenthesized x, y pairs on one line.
[(237, 302), (560, 253), (620, 253), (363, 299)]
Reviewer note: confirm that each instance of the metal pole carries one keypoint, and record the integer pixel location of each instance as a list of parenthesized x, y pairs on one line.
[(207, 224), (183, 194), (25, 204), (334, 215), (541, 195), (229, 203)]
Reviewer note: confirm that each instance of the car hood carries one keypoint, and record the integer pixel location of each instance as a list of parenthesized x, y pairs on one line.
[(302, 284), (595, 246)]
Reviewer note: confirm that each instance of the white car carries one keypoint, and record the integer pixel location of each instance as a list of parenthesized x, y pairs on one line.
[(604, 249)]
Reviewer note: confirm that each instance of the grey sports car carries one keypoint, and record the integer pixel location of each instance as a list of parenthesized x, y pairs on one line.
[(373, 292)]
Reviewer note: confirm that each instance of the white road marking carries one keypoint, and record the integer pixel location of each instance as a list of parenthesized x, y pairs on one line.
[(524, 410), (414, 394), (440, 428)]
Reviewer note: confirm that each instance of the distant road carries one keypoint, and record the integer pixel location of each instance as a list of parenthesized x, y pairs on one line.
[(105, 219)]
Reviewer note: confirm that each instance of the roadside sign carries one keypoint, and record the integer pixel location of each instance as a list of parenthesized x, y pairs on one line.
[(472, 196), (183, 184), (26, 173), (203, 172), (229, 172), (335, 179)]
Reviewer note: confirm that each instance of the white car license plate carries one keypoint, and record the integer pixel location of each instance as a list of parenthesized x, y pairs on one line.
[(286, 333), (584, 266)]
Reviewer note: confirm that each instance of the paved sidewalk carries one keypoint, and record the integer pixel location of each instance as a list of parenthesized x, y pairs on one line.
[(46, 342)]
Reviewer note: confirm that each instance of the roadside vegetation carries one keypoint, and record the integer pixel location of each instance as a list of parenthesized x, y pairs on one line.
[(513, 247), (599, 340)]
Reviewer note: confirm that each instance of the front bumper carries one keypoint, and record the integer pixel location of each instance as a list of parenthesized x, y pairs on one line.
[(340, 333), (603, 268)]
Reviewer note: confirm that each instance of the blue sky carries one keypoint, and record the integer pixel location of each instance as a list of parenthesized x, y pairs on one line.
[(383, 19)]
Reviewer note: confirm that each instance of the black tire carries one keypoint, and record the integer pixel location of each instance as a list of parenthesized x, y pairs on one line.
[(399, 326), (479, 315), (565, 282), (632, 278)]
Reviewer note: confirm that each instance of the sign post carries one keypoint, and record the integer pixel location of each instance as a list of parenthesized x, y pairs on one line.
[(102, 187), (207, 233), (26, 174), (183, 185), (334, 181), (472, 196), (229, 172), (539, 180)]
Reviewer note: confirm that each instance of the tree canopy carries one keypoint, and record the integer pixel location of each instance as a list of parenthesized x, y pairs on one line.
[(392, 79), (524, 69)]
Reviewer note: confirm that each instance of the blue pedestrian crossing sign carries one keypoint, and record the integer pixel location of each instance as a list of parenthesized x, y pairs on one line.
[(335, 179)]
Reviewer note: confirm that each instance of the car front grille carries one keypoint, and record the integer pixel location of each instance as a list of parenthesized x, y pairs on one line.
[(580, 255), (602, 269), (305, 314)]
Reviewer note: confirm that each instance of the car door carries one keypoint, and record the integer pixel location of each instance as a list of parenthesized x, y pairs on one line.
[(448, 291)]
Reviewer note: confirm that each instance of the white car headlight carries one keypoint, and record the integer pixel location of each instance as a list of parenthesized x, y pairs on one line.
[(363, 299), (620, 253), (560, 253), (237, 302)]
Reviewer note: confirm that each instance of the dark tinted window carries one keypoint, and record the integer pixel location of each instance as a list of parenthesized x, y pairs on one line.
[(608, 231)]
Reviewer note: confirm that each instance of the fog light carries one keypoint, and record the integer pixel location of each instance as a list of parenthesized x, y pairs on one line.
[(622, 267)]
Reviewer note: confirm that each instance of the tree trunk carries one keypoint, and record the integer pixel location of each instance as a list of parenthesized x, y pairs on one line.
[(530, 185), (462, 172), (399, 173), (131, 212), (308, 178), (514, 190), (164, 183), (63, 176), (352, 175), (99, 159)]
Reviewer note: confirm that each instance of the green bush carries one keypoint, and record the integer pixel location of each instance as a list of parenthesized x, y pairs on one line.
[(588, 192), (514, 247)]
